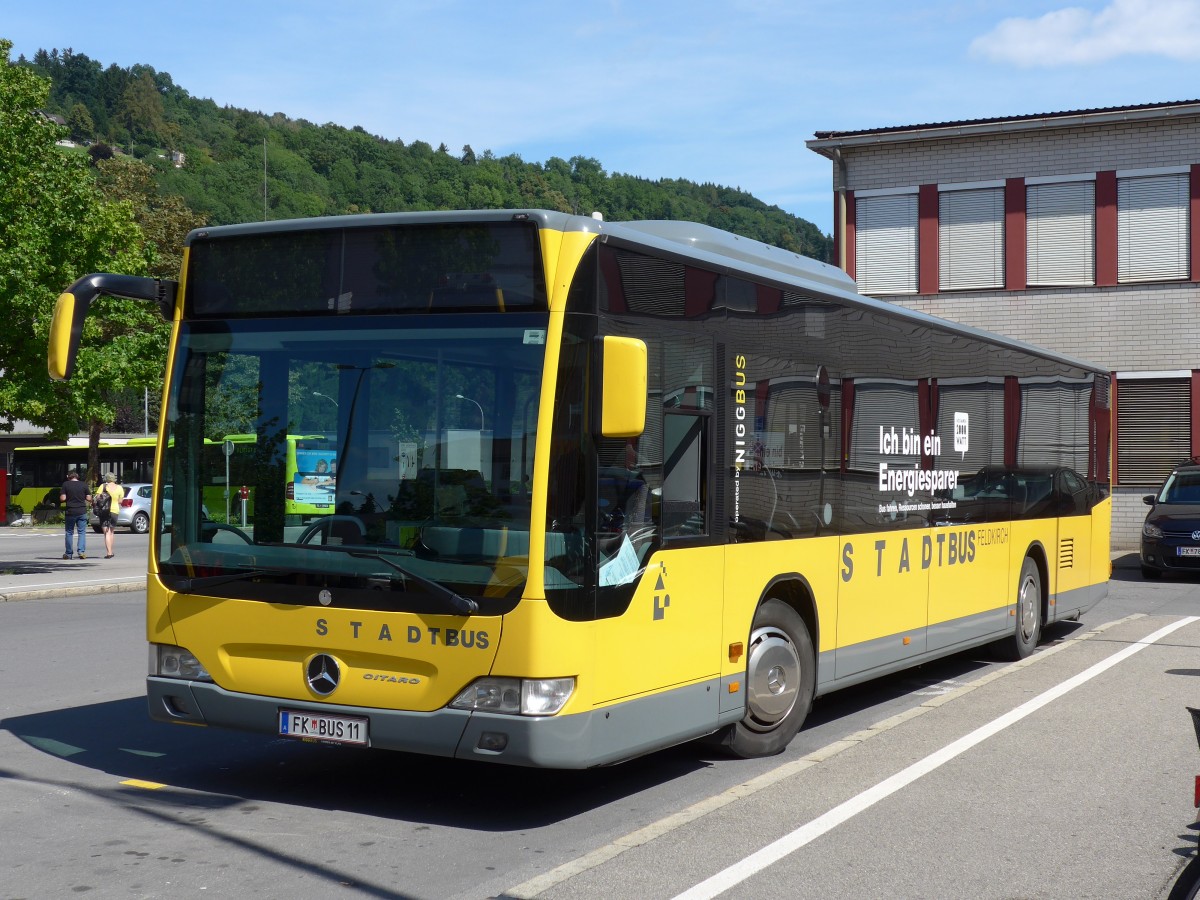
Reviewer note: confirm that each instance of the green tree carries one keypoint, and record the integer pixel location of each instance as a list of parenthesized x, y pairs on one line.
[(141, 109), (55, 227), (165, 220), (324, 169), (79, 121)]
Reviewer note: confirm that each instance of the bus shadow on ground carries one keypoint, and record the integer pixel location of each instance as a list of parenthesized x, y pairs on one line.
[(919, 682), (47, 566), (216, 768)]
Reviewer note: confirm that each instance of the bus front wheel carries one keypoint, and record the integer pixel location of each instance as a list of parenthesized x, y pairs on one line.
[(780, 680)]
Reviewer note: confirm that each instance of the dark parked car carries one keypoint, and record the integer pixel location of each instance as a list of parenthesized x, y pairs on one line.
[(1171, 533)]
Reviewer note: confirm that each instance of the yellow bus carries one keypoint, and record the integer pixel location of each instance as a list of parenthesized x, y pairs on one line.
[(310, 476), (39, 471), (601, 488)]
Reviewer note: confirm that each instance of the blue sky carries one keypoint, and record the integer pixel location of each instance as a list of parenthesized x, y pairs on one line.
[(707, 91)]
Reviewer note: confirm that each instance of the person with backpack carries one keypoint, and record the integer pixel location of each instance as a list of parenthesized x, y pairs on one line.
[(106, 503)]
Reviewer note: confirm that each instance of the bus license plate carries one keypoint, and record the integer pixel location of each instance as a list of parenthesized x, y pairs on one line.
[(1189, 551), (313, 727)]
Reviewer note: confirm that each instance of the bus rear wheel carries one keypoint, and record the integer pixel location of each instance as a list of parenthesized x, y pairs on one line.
[(1028, 630), (780, 680)]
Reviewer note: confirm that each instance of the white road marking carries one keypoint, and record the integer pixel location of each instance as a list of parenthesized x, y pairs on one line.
[(939, 689), (544, 881), (805, 834)]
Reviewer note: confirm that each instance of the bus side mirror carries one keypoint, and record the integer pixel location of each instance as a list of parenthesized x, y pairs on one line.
[(623, 385), (72, 308), (65, 330)]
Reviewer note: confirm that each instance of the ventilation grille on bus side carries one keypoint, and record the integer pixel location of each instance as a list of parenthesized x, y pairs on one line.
[(1066, 553)]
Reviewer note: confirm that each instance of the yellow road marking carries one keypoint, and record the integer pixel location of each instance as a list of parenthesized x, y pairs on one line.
[(148, 785)]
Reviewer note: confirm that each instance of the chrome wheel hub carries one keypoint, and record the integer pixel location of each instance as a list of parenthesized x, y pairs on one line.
[(772, 678)]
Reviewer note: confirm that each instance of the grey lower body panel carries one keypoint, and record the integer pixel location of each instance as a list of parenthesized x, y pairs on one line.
[(881, 656), (583, 740), (970, 631), (1072, 603)]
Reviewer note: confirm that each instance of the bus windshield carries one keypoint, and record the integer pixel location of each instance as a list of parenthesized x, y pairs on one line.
[(384, 461)]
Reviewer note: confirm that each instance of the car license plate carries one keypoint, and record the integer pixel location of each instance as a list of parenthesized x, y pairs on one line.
[(319, 727), (1188, 551)]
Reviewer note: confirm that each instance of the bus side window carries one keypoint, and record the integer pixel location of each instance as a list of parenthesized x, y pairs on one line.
[(684, 460)]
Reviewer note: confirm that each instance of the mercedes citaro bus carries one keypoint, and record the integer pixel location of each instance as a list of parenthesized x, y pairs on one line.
[(600, 488)]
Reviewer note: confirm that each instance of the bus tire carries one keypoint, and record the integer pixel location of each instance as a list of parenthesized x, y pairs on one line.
[(1028, 630), (1187, 883), (781, 675)]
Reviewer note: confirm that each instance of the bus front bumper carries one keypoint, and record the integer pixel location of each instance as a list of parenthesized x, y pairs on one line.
[(564, 742)]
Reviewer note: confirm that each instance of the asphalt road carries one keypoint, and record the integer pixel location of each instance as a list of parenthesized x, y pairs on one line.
[(1070, 775), (32, 567)]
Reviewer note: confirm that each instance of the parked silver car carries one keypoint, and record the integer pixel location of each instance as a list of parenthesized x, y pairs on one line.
[(134, 509)]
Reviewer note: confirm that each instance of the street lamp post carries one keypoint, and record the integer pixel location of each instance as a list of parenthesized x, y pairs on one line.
[(326, 396), (476, 402)]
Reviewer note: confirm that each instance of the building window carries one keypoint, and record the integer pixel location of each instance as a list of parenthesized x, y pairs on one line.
[(983, 402), (885, 239), (1152, 227), (1055, 423), (971, 239), (1060, 229), (882, 406), (1154, 427)]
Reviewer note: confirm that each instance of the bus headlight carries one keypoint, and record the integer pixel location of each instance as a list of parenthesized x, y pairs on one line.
[(175, 662), (516, 696)]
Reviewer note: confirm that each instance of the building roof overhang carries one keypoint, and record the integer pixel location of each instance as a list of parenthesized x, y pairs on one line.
[(828, 143)]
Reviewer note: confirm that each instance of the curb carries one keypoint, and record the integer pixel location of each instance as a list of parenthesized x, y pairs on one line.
[(115, 587), (1126, 559)]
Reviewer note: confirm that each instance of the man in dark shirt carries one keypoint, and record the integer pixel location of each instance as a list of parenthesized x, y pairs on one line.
[(76, 497)]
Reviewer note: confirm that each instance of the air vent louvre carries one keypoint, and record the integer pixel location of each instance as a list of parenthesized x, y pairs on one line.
[(1066, 553)]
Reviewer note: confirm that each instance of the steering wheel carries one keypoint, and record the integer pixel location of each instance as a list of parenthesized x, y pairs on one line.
[(326, 524), (209, 529)]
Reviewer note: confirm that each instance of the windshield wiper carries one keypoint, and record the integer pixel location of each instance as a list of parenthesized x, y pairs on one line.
[(464, 605), (191, 585)]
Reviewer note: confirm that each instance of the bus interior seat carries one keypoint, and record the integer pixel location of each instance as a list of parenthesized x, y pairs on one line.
[(451, 500), (1018, 496), (483, 543), (455, 491), (345, 530), (1037, 491)]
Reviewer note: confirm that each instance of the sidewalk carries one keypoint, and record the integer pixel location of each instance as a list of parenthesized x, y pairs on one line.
[(1126, 559), (39, 571)]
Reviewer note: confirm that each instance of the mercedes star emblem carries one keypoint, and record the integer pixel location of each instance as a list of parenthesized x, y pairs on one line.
[(323, 674)]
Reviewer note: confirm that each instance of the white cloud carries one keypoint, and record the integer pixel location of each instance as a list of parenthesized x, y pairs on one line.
[(1077, 36)]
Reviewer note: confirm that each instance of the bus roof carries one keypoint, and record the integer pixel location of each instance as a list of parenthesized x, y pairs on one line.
[(708, 246)]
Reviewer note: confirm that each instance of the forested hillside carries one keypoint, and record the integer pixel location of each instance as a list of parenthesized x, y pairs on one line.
[(215, 157)]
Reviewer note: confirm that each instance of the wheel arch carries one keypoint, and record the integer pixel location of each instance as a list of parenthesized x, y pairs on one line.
[(795, 590), (1037, 552)]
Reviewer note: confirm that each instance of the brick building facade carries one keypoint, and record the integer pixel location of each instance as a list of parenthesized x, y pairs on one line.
[(1077, 231)]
